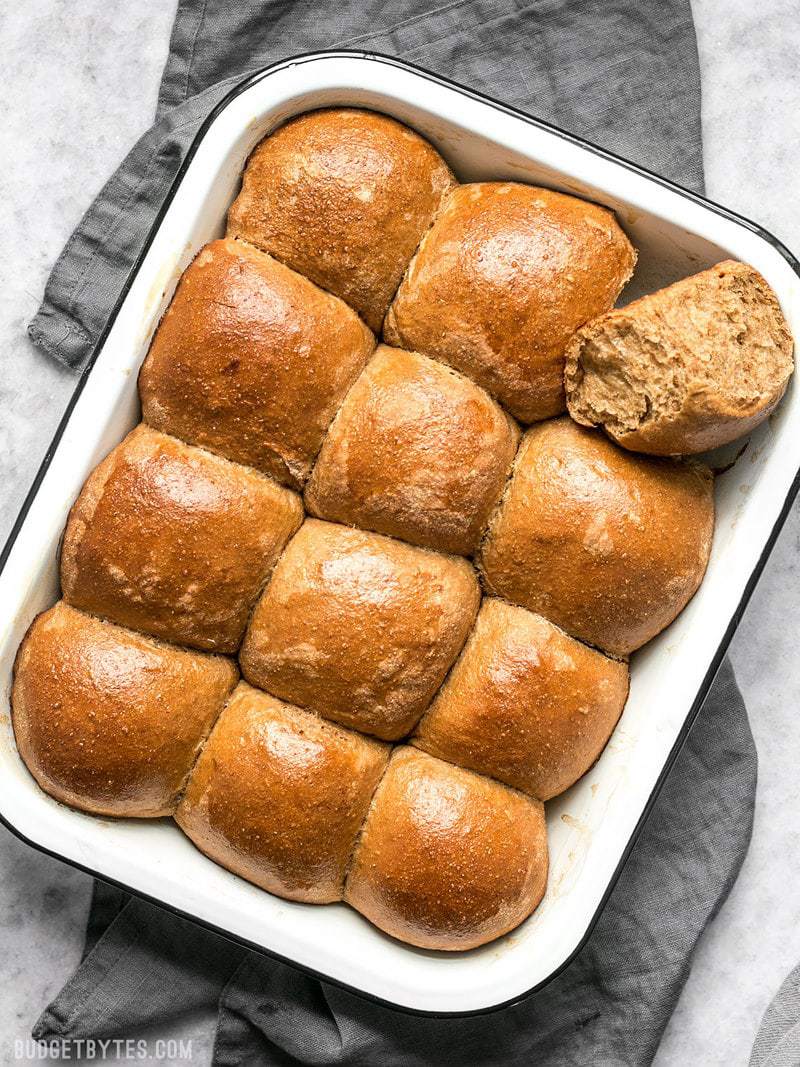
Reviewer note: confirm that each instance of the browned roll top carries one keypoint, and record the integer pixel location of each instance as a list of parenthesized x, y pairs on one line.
[(252, 361), (607, 545), (279, 795), (417, 451), (359, 627), (174, 541), (110, 721), (502, 280), (525, 703), (344, 197), (447, 859)]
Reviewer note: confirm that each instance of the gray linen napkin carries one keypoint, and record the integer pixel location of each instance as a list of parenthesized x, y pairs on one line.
[(777, 1042), (624, 75), (609, 1007), (621, 73)]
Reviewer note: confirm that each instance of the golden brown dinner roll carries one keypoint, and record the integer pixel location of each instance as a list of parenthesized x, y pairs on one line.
[(359, 627), (251, 361), (525, 703), (342, 196), (685, 369), (279, 795), (607, 545), (107, 720), (174, 541), (447, 859), (417, 451), (500, 283)]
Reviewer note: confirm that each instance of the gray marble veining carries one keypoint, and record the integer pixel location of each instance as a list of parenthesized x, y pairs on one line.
[(80, 85)]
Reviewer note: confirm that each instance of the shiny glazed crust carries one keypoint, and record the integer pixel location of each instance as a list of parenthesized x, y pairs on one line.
[(107, 720), (502, 280), (252, 361), (417, 451), (367, 616), (525, 703), (607, 545), (173, 541), (447, 859), (279, 795), (359, 627), (344, 197)]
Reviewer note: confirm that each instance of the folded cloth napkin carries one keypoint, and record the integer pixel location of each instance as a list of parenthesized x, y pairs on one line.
[(624, 75), (777, 1042), (608, 1007), (621, 73)]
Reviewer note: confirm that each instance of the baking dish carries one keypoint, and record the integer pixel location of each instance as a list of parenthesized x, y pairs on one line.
[(592, 827)]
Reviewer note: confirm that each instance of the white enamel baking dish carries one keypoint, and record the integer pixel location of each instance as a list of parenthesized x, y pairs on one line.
[(593, 826)]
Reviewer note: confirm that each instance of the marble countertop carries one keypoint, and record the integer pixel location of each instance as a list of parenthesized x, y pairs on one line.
[(80, 85)]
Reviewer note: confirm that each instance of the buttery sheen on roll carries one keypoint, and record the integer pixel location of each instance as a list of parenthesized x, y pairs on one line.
[(500, 283), (344, 197), (447, 859), (608, 545), (417, 451), (107, 720), (525, 703), (174, 541), (359, 627), (251, 361), (279, 795)]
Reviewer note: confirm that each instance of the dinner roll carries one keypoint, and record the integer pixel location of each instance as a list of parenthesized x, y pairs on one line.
[(685, 369), (176, 542), (502, 280), (109, 721), (607, 545), (279, 795), (417, 452), (447, 859), (342, 196), (359, 627), (525, 703), (251, 361)]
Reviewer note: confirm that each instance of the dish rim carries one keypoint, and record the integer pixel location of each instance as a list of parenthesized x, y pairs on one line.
[(241, 86)]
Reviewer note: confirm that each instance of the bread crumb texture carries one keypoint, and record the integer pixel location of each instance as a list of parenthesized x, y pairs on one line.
[(685, 369)]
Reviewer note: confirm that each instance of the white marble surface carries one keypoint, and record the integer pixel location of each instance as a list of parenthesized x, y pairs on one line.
[(80, 81)]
